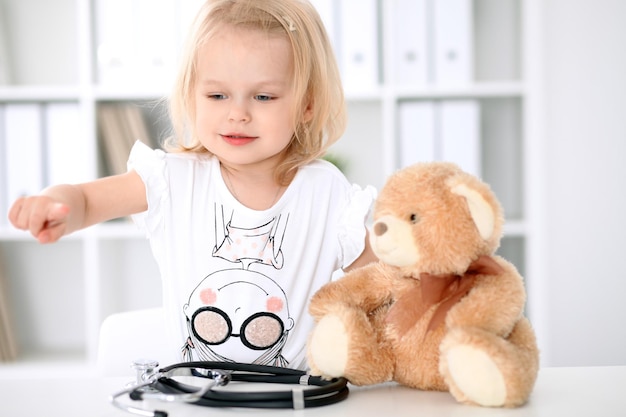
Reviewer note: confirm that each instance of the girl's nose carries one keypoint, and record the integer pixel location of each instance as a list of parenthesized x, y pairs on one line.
[(238, 112)]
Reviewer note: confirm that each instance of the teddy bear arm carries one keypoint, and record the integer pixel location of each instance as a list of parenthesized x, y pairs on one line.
[(365, 288), (495, 304)]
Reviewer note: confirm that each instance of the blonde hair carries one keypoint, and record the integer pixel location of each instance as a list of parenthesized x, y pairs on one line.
[(316, 77)]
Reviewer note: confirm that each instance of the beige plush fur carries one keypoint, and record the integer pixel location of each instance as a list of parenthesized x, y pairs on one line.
[(381, 323)]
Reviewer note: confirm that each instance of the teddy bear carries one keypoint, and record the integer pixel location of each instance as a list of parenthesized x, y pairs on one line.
[(439, 310)]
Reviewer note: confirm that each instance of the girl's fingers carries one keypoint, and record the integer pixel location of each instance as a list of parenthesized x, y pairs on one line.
[(14, 212), (57, 212), (52, 233), (44, 218), (53, 228)]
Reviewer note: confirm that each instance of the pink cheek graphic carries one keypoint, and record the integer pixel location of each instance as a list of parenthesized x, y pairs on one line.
[(208, 296), (274, 305)]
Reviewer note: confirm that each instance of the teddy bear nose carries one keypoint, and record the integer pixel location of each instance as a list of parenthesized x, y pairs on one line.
[(380, 228)]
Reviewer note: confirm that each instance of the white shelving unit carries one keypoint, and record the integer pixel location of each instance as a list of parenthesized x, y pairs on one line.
[(61, 293)]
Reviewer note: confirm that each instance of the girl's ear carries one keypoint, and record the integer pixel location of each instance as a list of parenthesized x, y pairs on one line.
[(307, 114)]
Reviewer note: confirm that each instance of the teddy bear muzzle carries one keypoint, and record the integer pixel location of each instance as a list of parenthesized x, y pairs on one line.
[(392, 241)]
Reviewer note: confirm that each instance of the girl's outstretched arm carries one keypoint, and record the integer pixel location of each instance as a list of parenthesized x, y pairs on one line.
[(63, 209)]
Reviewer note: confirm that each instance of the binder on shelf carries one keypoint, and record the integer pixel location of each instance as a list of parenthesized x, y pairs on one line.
[(8, 342), (23, 146), (453, 59), (460, 134), (410, 40), (138, 40), (120, 125), (156, 41), (5, 64), (114, 39), (67, 149), (136, 124), (4, 203), (417, 132), (447, 130), (112, 142), (358, 43)]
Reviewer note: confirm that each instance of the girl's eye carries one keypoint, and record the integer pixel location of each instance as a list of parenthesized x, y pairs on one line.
[(216, 96), (262, 97)]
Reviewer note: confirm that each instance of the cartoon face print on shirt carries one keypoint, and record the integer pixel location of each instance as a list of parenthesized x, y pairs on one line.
[(236, 313)]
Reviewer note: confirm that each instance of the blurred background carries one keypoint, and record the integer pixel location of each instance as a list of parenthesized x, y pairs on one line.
[(530, 95)]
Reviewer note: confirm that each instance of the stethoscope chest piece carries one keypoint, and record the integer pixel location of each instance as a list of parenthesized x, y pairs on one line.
[(144, 369)]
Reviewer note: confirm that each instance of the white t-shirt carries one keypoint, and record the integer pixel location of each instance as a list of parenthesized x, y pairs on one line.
[(236, 281)]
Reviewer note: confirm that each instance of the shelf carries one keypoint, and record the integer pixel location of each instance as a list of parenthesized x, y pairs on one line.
[(485, 89), (118, 229), (10, 234), (108, 268), (107, 93), (127, 230), (39, 93), (515, 228)]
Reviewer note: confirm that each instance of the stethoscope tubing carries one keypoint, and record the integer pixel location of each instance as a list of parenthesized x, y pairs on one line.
[(325, 392), (235, 367), (252, 399)]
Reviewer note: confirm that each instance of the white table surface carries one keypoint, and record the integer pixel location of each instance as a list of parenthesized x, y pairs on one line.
[(559, 392)]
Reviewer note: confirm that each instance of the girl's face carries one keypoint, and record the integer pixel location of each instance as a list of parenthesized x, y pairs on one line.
[(244, 97)]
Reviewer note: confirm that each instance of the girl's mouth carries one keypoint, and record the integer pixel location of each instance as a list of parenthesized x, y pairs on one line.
[(238, 140)]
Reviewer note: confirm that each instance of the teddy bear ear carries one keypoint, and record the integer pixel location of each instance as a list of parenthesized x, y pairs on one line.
[(481, 211)]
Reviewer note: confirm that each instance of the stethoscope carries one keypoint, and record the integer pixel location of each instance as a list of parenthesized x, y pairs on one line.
[(160, 385)]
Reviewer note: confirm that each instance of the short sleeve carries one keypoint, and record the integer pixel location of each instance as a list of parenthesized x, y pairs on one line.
[(150, 164), (352, 222)]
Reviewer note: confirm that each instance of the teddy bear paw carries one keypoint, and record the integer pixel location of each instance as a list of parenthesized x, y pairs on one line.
[(476, 375), (329, 346)]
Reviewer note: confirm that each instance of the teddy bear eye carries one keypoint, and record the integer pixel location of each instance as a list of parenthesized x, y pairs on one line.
[(414, 218)]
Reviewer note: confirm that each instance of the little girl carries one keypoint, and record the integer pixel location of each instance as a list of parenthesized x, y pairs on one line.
[(244, 220)]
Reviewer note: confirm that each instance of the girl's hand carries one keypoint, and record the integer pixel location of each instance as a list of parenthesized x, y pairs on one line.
[(44, 217)]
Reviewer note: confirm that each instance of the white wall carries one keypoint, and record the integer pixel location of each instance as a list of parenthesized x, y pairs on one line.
[(585, 143)]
